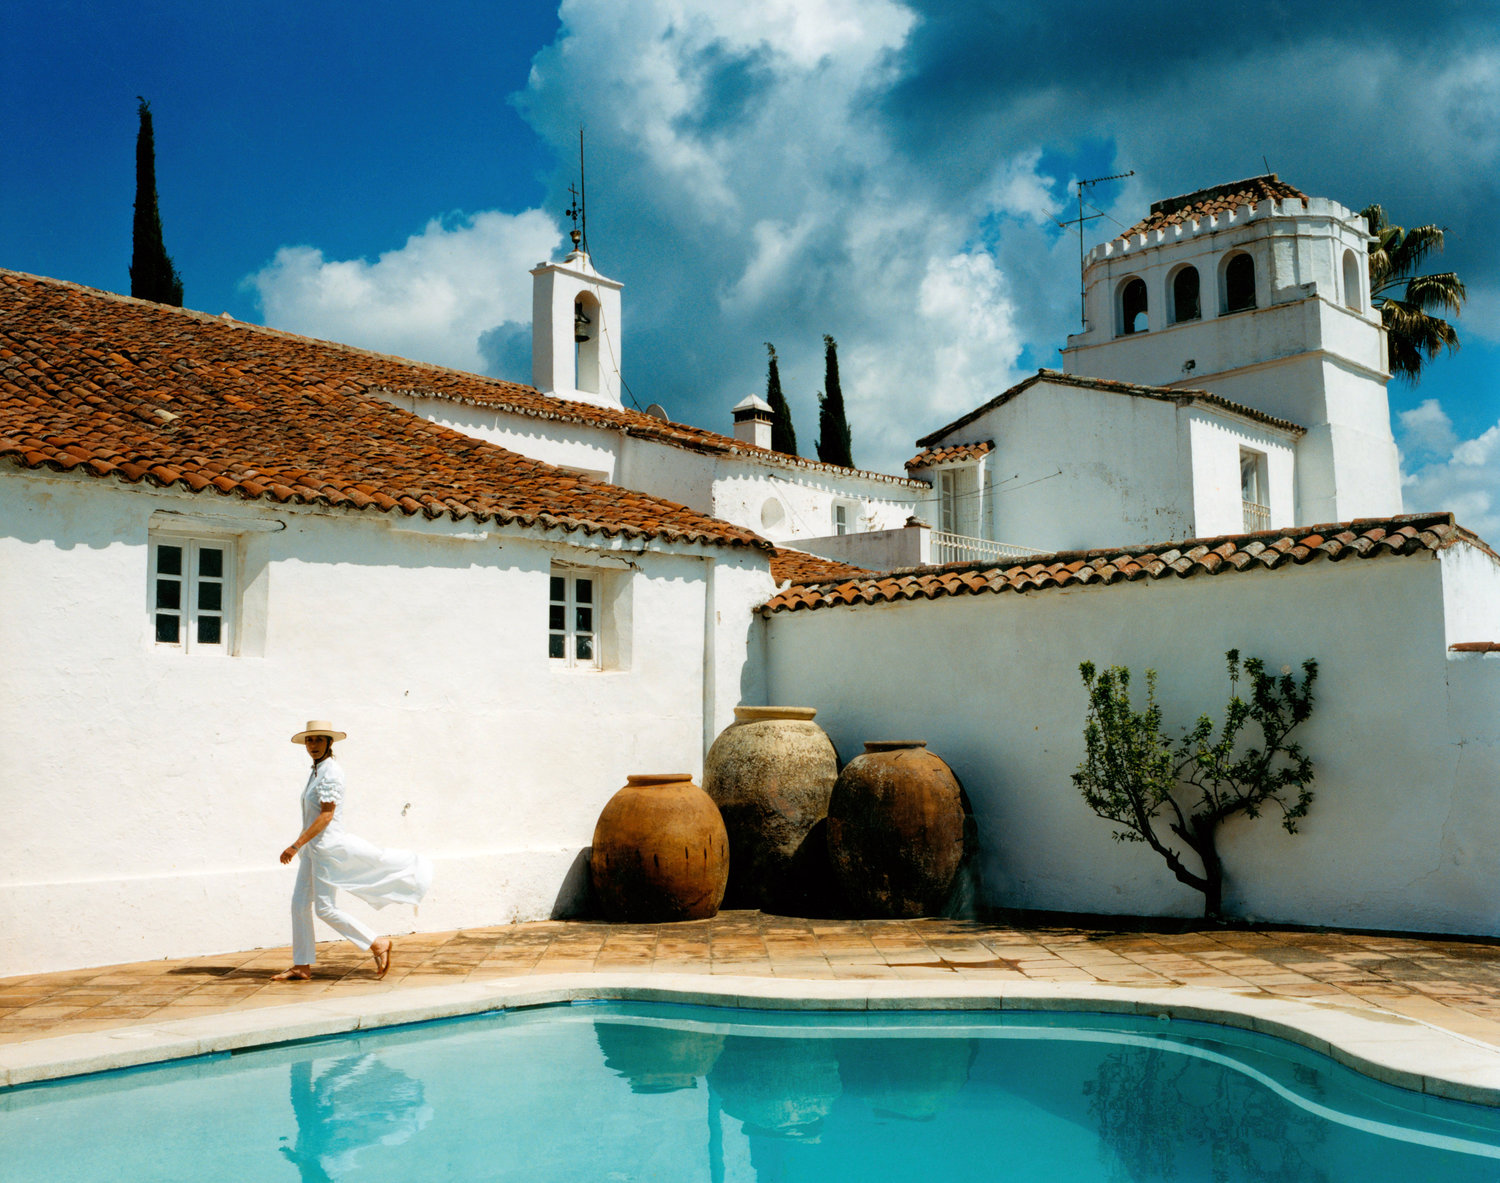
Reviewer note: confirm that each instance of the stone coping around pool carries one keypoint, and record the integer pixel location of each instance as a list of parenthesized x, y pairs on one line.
[(1385, 1046)]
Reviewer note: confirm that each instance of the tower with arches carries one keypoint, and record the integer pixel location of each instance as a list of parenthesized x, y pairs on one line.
[(1258, 293)]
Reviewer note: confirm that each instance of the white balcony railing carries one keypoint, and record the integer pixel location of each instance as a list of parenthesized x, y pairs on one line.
[(959, 548), (1257, 517)]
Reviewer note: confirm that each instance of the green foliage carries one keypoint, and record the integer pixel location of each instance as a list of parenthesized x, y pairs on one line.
[(152, 276), (1407, 299), (1133, 775), (833, 426), (783, 434)]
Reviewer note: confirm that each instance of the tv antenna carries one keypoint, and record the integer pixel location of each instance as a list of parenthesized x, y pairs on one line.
[(578, 211), (1080, 220)]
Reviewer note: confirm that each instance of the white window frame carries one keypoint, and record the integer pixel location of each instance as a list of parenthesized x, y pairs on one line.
[(565, 621), (843, 517), (960, 509), (1255, 498), (193, 588)]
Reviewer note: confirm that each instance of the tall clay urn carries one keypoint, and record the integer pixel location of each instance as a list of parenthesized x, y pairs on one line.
[(660, 852), (771, 772), (896, 830)]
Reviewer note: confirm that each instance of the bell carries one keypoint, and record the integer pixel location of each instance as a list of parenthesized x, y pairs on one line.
[(580, 325)]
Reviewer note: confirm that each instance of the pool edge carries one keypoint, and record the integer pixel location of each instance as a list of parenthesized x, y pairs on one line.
[(1385, 1046)]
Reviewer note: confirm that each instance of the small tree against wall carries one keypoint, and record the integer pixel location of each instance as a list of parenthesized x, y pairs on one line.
[(152, 276), (783, 434), (1134, 776)]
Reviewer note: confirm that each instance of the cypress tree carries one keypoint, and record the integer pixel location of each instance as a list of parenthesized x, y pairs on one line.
[(783, 434), (833, 426), (152, 276)]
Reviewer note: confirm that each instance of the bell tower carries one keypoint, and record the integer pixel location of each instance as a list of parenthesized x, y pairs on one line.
[(1258, 293), (575, 330)]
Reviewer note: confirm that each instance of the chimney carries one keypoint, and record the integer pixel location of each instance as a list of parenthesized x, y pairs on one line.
[(752, 421)]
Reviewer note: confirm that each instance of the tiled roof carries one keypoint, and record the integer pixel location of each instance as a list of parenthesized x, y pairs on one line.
[(1206, 203), (930, 456), (1270, 549), (797, 566), (514, 398), (129, 390), (1164, 393)]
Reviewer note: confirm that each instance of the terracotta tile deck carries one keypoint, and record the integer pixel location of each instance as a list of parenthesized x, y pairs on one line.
[(1448, 983)]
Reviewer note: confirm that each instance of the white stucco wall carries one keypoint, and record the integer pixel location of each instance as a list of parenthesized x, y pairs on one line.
[(1404, 832), (148, 791), (1215, 442), (1075, 468)]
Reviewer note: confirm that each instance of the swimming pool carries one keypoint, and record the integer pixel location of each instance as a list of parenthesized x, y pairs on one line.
[(636, 1091)]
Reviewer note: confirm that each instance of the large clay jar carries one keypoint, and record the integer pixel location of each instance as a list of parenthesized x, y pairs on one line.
[(896, 830), (771, 772), (660, 852)]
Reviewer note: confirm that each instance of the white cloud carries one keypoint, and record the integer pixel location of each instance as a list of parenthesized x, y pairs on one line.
[(1426, 430), (1447, 473), (432, 299), (755, 135)]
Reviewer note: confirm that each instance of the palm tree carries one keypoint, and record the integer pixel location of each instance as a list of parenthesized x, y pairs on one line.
[(1406, 299)]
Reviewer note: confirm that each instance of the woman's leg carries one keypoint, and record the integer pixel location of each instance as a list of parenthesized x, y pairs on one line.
[(304, 948), (337, 919)]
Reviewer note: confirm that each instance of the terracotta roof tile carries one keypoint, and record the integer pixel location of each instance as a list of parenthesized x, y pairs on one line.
[(949, 453), (514, 398), (1365, 538), (86, 378), (1218, 199), (1162, 393), (797, 566)]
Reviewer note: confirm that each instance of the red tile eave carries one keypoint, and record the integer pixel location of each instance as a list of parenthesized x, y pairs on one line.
[(1409, 535), (130, 391), (529, 402)]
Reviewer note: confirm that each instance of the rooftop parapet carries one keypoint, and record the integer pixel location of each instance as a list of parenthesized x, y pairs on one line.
[(1224, 219)]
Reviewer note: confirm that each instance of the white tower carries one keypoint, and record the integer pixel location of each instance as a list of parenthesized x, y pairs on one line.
[(1258, 293), (575, 330)]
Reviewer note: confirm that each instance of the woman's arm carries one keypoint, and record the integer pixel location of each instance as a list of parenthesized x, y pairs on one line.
[(319, 824)]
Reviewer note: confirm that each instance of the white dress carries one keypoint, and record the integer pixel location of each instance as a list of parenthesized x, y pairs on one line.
[(342, 860)]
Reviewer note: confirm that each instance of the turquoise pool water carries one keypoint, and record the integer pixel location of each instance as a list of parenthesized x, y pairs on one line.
[(654, 1092)]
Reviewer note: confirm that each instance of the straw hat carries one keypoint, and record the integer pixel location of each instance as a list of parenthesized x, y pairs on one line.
[(318, 727)]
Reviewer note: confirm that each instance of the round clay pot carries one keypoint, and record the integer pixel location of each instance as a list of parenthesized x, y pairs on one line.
[(896, 830), (657, 1059), (660, 851), (780, 1088), (770, 772), (920, 1085)]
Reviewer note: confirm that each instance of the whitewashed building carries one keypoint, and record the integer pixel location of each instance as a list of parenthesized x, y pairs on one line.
[(209, 533), (573, 417), (513, 596)]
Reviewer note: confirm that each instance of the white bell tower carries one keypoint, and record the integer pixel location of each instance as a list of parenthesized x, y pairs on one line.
[(575, 330), (1259, 293)]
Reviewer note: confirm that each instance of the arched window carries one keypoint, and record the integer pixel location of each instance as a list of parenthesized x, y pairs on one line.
[(1353, 282), (1239, 283), (1133, 318), (586, 327), (1185, 303)]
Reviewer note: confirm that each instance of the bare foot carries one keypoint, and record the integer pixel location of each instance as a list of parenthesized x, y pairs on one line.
[(381, 951), (298, 973)]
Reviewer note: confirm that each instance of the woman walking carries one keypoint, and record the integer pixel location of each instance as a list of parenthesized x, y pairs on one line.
[(332, 858)]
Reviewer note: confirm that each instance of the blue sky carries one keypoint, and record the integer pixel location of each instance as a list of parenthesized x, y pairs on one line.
[(881, 170)]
